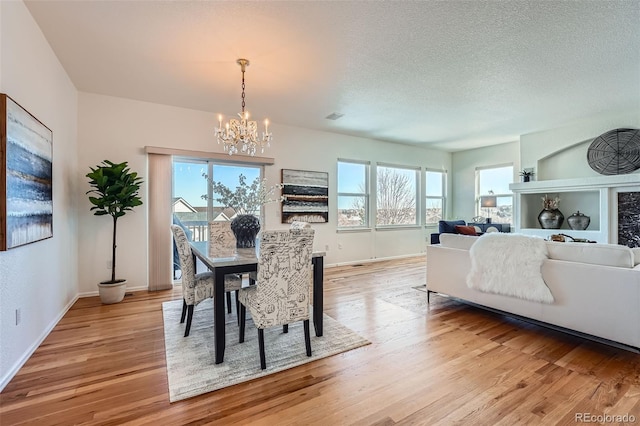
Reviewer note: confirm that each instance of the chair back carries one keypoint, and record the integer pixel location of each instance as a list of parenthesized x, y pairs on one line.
[(186, 262), (296, 224), (284, 276), (222, 242)]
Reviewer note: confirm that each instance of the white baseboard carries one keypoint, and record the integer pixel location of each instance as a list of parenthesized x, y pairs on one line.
[(4, 380)]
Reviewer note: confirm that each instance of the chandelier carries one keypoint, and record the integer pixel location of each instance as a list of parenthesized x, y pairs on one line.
[(241, 135)]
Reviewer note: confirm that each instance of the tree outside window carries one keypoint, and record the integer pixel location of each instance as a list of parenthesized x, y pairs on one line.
[(396, 196)]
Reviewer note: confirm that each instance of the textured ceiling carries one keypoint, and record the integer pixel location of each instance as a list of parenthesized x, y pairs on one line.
[(447, 74)]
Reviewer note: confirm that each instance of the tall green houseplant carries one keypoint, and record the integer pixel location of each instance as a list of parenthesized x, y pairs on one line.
[(115, 192)]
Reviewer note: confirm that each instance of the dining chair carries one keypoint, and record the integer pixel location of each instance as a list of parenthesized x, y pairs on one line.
[(195, 287), (222, 243), (296, 224), (281, 294)]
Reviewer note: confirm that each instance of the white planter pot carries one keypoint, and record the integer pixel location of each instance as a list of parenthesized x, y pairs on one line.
[(112, 293)]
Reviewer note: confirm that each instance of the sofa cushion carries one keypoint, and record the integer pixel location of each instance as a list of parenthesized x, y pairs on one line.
[(636, 256), (449, 226), (457, 241), (595, 254), (466, 230)]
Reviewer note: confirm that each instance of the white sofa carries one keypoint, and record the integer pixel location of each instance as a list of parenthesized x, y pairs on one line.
[(596, 287)]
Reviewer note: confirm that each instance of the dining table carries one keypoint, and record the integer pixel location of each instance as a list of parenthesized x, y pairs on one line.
[(244, 260)]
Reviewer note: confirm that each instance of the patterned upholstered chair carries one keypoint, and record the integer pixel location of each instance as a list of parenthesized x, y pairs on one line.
[(253, 276), (299, 225), (195, 287), (281, 295), (222, 243)]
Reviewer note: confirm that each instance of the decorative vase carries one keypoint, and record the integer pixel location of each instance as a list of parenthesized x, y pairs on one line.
[(578, 221), (526, 178), (245, 227), (550, 219)]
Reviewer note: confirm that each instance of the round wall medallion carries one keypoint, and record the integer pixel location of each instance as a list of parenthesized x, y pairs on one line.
[(615, 152)]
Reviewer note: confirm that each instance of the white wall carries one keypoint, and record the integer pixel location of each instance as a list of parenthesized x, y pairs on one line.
[(569, 144), (464, 164), (41, 278), (118, 129)]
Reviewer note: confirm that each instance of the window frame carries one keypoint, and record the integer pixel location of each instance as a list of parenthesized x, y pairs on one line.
[(366, 195), (417, 197), (478, 195), (443, 197)]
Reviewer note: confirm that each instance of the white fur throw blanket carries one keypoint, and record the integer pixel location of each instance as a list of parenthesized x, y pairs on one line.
[(509, 264)]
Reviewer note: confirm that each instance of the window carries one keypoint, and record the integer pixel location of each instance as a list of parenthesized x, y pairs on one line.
[(396, 196), (435, 190), (353, 194), (493, 197), (193, 203)]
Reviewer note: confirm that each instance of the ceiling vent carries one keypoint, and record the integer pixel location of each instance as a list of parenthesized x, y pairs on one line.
[(334, 116)]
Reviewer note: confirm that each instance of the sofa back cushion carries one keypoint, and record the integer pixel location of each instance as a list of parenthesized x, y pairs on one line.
[(449, 226), (596, 254), (457, 241)]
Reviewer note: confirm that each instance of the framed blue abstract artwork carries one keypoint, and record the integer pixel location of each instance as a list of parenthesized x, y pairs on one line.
[(26, 181)]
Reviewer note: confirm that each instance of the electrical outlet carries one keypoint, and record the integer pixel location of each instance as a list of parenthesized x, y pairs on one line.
[(340, 246), (18, 316), (326, 248), (109, 264)]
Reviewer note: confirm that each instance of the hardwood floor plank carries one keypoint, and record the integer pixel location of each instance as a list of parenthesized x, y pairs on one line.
[(446, 363)]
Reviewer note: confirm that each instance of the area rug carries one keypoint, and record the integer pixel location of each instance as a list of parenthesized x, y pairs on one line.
[(191, 369), (409, 298)]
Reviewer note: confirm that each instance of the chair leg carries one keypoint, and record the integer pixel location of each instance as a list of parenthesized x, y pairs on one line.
[(263, 362), (184, 311), (237, 307), (228, 302), (189, 318), (307, 337), (242, 313), (285, 328)]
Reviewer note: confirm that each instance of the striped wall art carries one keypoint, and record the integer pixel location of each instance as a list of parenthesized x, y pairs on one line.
[(305, 196)]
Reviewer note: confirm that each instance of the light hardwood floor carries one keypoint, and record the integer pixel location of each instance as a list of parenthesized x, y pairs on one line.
[(446, 364)]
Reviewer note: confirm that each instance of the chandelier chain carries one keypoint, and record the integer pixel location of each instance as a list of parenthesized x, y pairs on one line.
[(243, 89)]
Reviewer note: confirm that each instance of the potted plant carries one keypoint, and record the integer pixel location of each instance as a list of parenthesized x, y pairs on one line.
[(245, 200), (115, 192), (526, 175)]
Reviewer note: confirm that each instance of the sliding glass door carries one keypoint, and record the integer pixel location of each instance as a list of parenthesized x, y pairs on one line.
[(194, 204)]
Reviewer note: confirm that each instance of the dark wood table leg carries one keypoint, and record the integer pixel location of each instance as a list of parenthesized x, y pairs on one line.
[(318, 277), (218, 314)]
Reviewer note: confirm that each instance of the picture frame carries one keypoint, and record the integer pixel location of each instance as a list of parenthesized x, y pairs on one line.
[(26, 176), (305, 196)]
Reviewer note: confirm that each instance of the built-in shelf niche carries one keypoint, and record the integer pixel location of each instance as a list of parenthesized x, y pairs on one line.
[(596, 197), (586, 202)]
